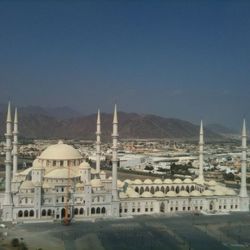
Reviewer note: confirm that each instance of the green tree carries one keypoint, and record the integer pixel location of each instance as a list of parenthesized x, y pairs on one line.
[(15, 242)]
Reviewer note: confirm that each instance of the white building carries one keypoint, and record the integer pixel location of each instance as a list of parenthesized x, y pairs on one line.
[(61, 185)]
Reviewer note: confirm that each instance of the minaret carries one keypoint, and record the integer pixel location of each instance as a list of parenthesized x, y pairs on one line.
[(8, 135), (114, 155), (98, 142), (243, 187), (15, 144), (201, 146)]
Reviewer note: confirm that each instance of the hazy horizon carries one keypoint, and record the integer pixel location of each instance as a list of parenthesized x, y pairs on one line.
[(187, 60)]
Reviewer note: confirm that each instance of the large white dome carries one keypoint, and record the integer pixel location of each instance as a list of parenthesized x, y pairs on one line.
[(60, 151)]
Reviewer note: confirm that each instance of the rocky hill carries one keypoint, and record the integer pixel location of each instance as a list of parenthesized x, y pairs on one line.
[(131, 125)]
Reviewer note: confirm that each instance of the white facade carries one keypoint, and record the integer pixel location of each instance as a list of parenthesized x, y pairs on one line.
[(60, 182)]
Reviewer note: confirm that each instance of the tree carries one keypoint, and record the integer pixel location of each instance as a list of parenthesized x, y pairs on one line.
[(22, 246), (15, 242)]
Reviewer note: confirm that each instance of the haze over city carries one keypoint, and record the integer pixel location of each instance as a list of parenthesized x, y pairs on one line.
[(188, 60)]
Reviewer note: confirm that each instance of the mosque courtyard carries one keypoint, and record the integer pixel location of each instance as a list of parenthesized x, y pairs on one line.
[(143, 232)]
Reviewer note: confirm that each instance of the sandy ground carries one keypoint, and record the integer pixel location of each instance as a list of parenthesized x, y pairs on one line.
[(143, 232)]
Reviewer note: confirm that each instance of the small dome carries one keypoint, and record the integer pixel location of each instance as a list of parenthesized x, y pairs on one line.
[(187, 181), (171, 194), (102, 172), (195, 193), (168, 181), (127, 181), (133, 195), (159, 194), (183, 193), (27, 185), (229, 191), (130, 190), (177, 181), (37, 165), (84, 165), (146, 195), (148, 181), (219, 192), (157, 181), (207, 193), (120, 184), (79, 185), (137, 181), (110, 178), (212, 183), (122, 195), (96, 183), (60, 151), (199, 181)]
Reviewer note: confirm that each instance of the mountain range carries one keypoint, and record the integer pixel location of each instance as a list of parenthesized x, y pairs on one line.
[(65, 123)]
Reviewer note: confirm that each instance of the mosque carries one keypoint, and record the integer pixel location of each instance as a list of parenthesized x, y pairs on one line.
[(61, 184)]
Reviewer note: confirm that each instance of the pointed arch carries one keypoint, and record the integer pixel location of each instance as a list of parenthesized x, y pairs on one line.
[(76, 211), (43, 212), (98, 210), (103, 210), (162, 207), (20, 213), (81, 210)]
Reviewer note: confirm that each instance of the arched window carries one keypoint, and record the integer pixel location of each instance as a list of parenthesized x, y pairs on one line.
[(43, 212), (177, 190), (182, 188), (162, 207), (147, 189), (152, 191), (49, 212), (63, 213), (187, 189), (192, 188), (141, 190), (137, 190), (92, 210), (26, 213), (76, 211), (167, 189), (157, 189), (31, 213), (103, 210), (81, 210), (20, 213), (98, 210)]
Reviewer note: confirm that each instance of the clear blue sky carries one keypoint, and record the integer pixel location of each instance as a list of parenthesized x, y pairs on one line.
[(184, 59)]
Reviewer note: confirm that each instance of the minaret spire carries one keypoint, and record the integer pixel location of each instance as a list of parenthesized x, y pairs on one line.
[(114, 155), (244, 200), (243, 188), (98, 142), (8, 135), (201, 147), (15, 143)]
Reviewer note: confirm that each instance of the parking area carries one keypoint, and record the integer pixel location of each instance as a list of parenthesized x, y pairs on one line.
[(160, 232)]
